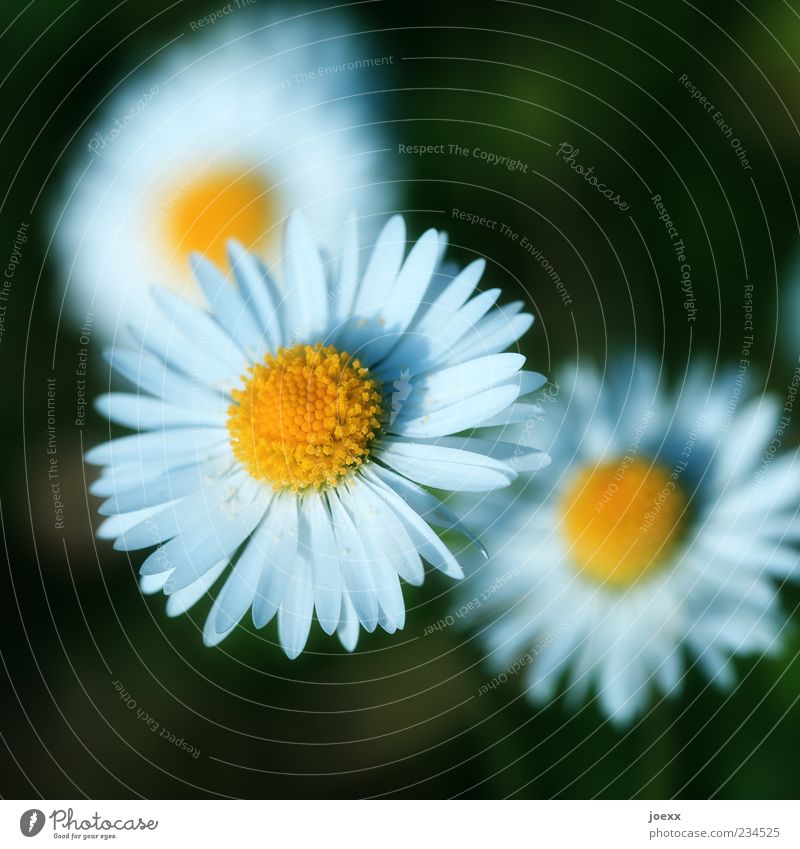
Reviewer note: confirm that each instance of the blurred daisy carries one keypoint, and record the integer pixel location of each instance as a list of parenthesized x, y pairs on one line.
[(222, 135), (654, 540), (291, 432)]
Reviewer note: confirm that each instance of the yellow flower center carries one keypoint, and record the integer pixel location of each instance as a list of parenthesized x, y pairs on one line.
[(305, 417), (203, 212), (622, 519)]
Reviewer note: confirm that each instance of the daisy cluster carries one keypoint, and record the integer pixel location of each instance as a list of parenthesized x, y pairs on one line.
[(309, 422)]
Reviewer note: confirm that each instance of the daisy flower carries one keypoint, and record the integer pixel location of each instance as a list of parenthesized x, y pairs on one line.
[(220, 136), (655, 541), (286, 438)]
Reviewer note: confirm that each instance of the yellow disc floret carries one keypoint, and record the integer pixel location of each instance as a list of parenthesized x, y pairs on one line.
[(208, 210), (305, 417), (621, 519)]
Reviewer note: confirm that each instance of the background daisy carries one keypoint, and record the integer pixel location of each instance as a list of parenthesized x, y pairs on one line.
[(219, 135), (294, 435), (665, 527)]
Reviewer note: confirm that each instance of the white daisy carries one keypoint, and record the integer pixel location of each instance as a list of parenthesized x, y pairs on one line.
[(286, 437), (220, 136), (655, 540)]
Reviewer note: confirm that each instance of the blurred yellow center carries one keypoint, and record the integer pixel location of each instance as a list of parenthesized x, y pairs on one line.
[(621, 519), (204, 212), (305, 417)]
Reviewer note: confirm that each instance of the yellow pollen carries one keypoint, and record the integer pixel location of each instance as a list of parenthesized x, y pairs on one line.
[(204, 212), (305, 417), (622, 519)]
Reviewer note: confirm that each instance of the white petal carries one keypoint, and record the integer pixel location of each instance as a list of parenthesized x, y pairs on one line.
[(124, 476), (318, 544), (141, 412), (382, 268), (297, 606), (495, 333), (384, 577), (198, 363), (154, 377), (717, 666), (200, 329), (519, 413), (349, 625), (754, 425), (260, 294), (276, 544), (463, 415), (170, 486), (227, 306), (438, 315), (150, 584), (407, 292), (168, 446), (440, 346), (424, 503), (355, 564), (448, 386), (191, 557), (182, 600), (236, 596), (517, 455), (424, 538), (549, 664), (305, 279), (113, 526), (159, 524), (669, 672), (374, 518), (530, 381), (345, 293), (446, 468)]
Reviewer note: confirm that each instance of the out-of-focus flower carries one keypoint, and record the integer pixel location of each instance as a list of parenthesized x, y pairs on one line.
[(286, 438), (220, 136), (655, 539)]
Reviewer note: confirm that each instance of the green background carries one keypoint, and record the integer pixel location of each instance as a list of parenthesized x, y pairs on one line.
[(401, 715)]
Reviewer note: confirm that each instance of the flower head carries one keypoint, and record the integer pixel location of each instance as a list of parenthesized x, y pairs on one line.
[(272, 446), (220, 136), (656, 540)]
